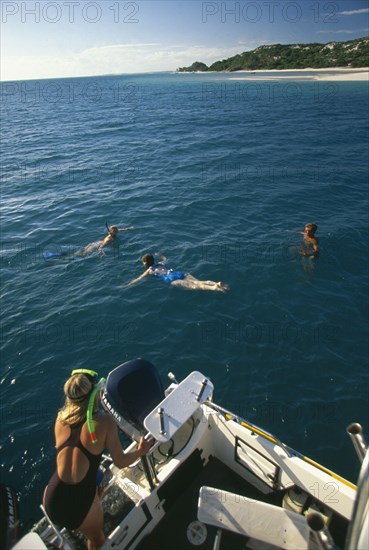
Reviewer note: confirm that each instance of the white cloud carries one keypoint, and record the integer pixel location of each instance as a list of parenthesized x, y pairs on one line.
[(354, 12), (110, 59), (343, 31)]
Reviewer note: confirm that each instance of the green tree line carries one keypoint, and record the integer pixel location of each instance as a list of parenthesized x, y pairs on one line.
[(352, 53)]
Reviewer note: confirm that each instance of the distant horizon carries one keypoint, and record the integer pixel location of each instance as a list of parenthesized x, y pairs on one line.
[(63, 39), (102, 75), (328, 69)]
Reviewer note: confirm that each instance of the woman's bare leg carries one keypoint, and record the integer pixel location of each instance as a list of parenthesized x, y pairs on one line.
[(93, 524), (191, 283)]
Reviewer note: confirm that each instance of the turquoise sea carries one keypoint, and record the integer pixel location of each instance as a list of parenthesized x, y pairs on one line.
[(212, 172)]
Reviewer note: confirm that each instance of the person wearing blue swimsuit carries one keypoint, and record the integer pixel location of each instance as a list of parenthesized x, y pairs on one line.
[(71, 497), (175, 278)]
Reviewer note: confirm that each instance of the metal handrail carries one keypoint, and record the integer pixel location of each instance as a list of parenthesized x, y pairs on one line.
[(355, 431), (360, 511), (250, 426), (60, 539)]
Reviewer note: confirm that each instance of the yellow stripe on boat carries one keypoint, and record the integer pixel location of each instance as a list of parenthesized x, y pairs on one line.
[(335, 476), (305, 458), (253, 429)]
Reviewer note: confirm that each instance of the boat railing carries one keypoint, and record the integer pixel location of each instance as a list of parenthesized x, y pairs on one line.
[(355, 432), (231, 416), (359, 522), (57, 540)]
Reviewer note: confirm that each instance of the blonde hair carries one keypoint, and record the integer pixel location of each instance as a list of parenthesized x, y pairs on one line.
[(77, 390)]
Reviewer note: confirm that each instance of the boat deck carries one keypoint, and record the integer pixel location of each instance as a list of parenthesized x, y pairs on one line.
[(179, 495), (182, 511)]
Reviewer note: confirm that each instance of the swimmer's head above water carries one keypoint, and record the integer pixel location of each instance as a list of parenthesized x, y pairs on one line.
[(148, 260), (310, 228), (113, 230)]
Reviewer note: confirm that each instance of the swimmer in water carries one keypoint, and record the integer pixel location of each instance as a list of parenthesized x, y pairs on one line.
[(311, 247), (100, 245), (175, 278)]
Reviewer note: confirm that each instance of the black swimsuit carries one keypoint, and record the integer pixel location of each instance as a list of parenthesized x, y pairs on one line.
[(67, 504)]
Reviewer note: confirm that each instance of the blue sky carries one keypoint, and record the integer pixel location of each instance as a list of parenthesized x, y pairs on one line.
[(65, 38)]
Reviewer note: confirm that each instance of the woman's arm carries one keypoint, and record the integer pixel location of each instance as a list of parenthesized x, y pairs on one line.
[(120, 458), (125, 228), (315, 247), (147, 272)]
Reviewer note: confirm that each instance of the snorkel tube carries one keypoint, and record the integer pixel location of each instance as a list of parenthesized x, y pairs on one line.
[(90, 410), (98, 385), (107, 227)]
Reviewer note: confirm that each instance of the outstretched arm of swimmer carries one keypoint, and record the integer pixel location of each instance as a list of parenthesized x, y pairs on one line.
[(147, 272), (125, 228)]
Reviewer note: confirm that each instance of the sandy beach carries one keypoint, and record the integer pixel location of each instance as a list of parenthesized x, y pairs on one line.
[(338, 73)]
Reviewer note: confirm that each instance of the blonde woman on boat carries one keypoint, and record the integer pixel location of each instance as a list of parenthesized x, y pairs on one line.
[(71, 497)]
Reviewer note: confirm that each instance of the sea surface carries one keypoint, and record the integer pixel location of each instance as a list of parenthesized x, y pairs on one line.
[(212, 173)]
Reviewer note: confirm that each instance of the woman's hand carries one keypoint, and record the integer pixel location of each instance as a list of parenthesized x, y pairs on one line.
[(144, 445)]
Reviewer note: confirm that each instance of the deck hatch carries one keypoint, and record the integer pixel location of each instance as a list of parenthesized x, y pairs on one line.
[(257, 463)]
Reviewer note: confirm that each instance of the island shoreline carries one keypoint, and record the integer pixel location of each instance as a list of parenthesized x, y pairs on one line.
[(326, 74)]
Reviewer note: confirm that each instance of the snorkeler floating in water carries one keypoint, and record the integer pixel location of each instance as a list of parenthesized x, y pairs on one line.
[(311, 247), (100, 245), (175, 278)]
